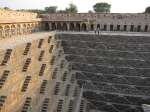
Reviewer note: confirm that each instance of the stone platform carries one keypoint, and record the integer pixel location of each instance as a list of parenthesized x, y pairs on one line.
[(75, 72)]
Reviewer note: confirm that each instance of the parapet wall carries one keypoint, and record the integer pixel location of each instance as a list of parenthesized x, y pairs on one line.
[(16, 14), (94, 16), (11, 16)]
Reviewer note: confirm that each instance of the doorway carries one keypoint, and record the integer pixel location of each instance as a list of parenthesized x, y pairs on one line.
[(132, 28), (46, 27), (111, 27), (118, 27)]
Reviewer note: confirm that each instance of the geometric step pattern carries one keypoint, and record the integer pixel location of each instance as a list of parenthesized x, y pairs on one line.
[(45, 105), (49, 39), (2, 101), (4, 78), (40, 43), (114, 71), (51, 49), (59, 107), (43, 87), (25, 84), (27, 49), (27, 104), (25, 67), (42, 69), (41, 55), (6, 57)]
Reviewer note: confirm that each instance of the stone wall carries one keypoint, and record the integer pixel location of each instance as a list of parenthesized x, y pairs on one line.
[(21, 72), (17, 14), (94, 16), (35, 76), (14, 29), (105, 21)]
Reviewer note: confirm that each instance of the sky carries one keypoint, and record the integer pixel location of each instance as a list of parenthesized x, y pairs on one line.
[(117, 6)]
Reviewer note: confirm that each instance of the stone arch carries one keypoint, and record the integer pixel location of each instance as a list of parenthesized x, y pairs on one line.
[(7, 29), (58, 26), (1, 31), (13, 30), (28, 28), (71, 26), (46, 27), (78, 26), (83, 27), (24, 29), (18, 29), (64, 27), (53, 26)]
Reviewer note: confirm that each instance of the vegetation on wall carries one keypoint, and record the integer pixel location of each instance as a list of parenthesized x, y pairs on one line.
[(51, 9), (102, 7), (72, 8), (7, 8), (147, 10), (34, 10), (90, 11)]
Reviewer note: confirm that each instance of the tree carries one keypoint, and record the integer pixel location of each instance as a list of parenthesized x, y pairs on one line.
[(61, 11), (102, 7), (90, 11), (51, 9), (38, 11), (7, 8), (147, 9), (72, 8)]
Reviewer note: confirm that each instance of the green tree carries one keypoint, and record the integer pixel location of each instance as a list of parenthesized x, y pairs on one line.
[(61, 11), (7, 8), (147, 9), (90, 11), (102, 7), (51, 9), (72, 8)]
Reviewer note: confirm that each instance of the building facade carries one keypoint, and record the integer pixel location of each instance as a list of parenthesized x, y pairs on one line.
[(18, 22), (138, 22), (74, 71)]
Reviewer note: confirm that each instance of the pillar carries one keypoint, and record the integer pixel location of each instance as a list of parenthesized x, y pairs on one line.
[(74, 27), (3, 33), (142, 28), (114, 27), (101, 27), (68, 28), (128, 28), (61, 26), (50, 26), (56, 26), (81, 27), (95, 26), (108, 27), (121, 27)]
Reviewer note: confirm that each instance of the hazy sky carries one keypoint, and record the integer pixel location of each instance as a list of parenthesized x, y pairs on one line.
[(117, 6)]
